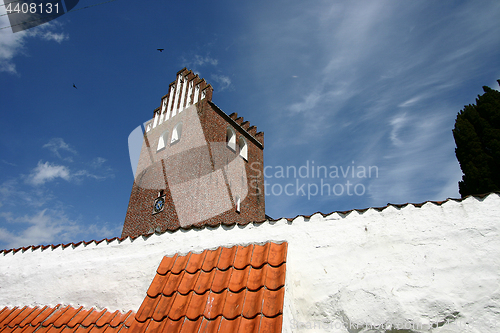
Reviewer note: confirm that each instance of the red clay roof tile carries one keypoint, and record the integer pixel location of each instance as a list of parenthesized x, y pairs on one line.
[(188, 282), (204, 281), (55, 315), (67, 316), (226, 258), (28, 320), (120, 318), (243, 255), (229, 325), (44, 314), (180, 264), (163, 307), (211, 260), (234, 304), (222, 290), (172, 283), (214, 305), (277, 254), (19, 318), (221, 280), (58, 320), (179, 306), (271, 324), (253, 303), (147, 307), (259, 255), (79, 317), (238, 279), (197, 306), (195, 262), (106, 318), (275, 277), (173, 326), (166, 265), (249, 325), (92, 318), (257, 277), (190, 326), (157, 285), (237, 289), (210, 326), (273, 302)]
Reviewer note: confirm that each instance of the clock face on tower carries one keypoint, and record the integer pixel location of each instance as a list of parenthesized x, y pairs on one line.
[(159, 204)]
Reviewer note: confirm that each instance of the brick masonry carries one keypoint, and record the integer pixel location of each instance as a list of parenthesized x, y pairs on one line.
[(199, 176)]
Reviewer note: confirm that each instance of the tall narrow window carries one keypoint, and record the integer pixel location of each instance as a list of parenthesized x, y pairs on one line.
[(243, 148), (238, 204), (231, 138), (176, 133), (162, 141)]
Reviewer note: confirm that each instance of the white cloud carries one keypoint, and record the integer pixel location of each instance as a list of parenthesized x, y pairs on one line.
[(397, 123), (223, 80), (44, 227), (56, 145), (50, 226), (13, 44), (200, 60), (98, 162), (45, 172)]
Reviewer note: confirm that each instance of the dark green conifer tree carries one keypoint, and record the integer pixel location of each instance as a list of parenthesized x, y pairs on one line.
[(477, 136)]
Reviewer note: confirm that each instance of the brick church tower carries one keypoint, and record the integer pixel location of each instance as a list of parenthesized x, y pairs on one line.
[(197, 165)]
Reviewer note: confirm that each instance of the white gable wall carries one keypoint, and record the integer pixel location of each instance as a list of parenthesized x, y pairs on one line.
[(437, 265)]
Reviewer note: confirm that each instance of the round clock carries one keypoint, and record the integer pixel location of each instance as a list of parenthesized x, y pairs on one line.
[(159, 204)]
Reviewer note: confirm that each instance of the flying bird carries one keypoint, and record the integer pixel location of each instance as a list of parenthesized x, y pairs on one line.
[(74, 86), (161, 50)]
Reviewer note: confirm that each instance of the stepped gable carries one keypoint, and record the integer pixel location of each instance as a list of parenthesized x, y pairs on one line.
[(237, 289), (186, 85), (62, 318)]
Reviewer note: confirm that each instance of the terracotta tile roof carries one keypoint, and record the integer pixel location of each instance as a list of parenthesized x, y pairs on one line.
[(268, 218), (237, 289), (61, 319)]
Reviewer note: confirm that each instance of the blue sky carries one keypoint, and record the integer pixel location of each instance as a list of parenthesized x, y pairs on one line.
[(334, 83)]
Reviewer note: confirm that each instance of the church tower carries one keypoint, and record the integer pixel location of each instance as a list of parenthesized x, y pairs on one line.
[(197, 165)]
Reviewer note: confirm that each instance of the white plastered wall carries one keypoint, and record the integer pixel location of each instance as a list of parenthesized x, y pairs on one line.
[(429, 269)]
